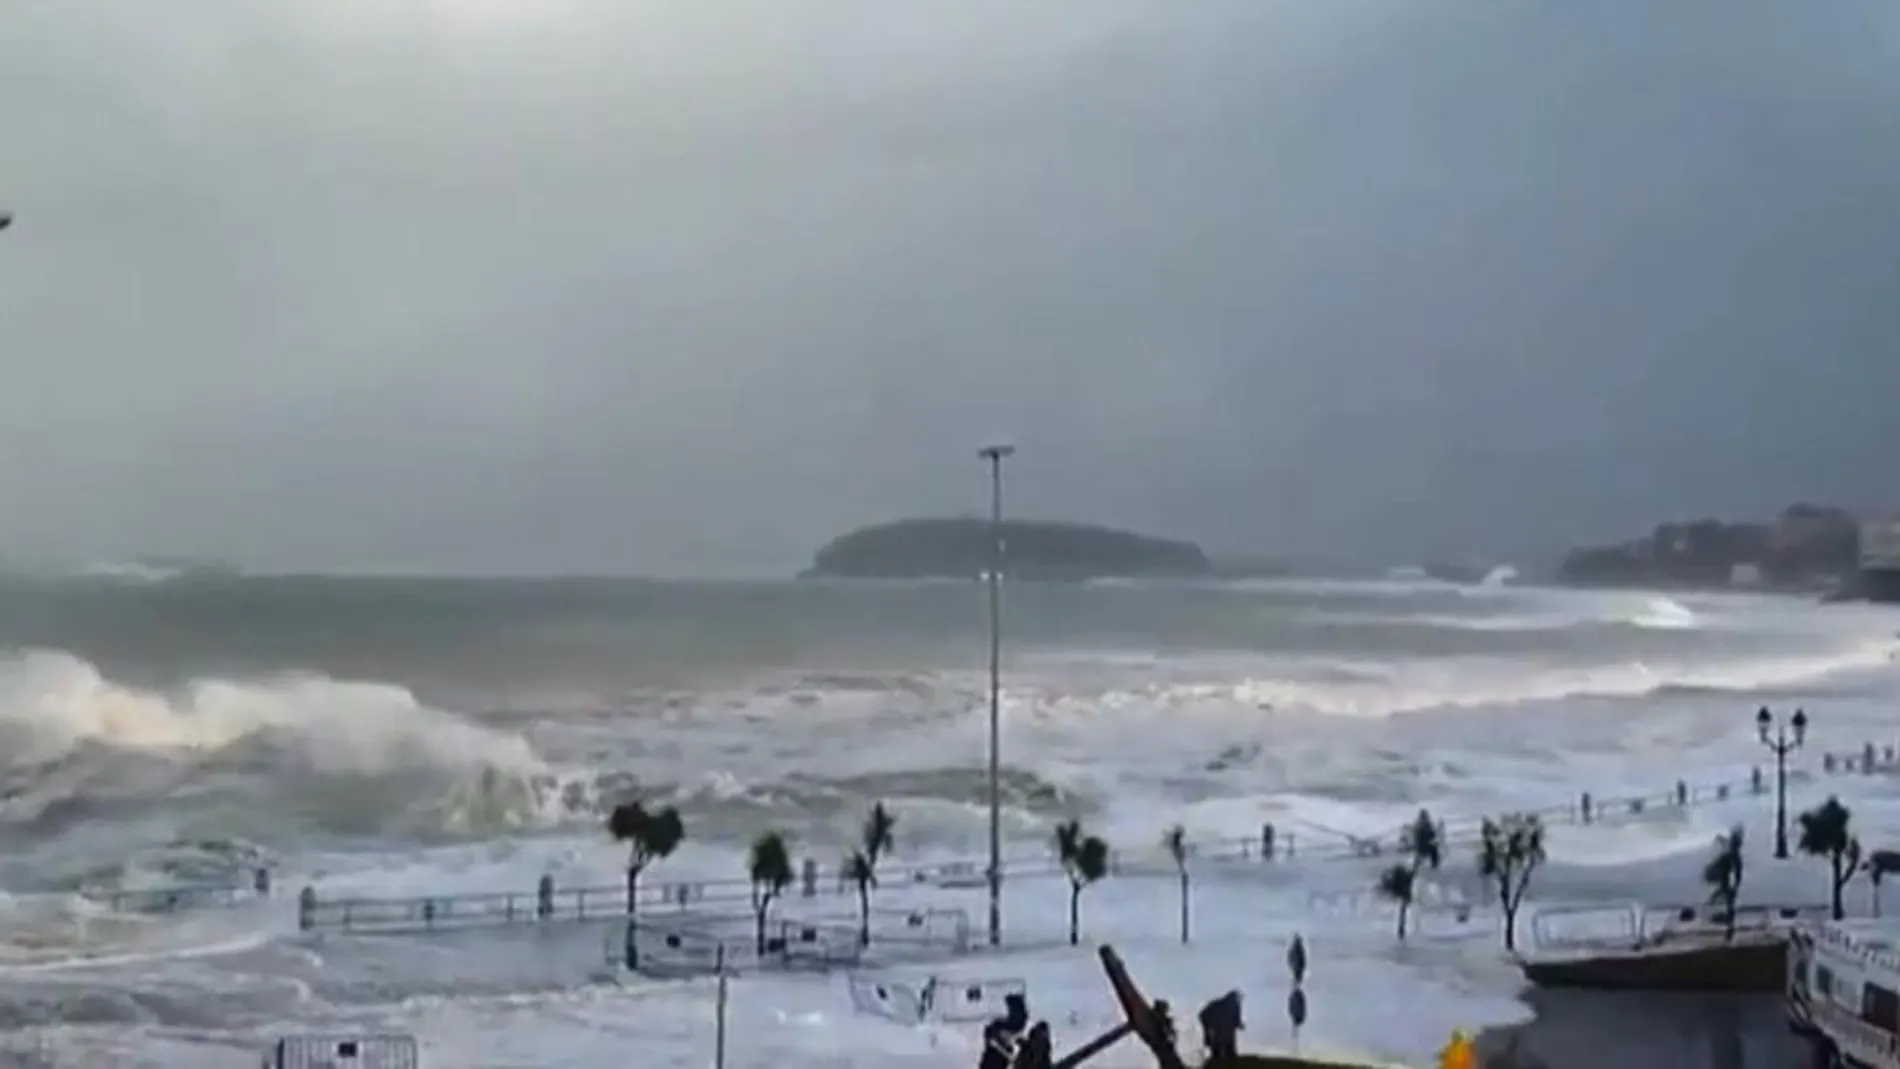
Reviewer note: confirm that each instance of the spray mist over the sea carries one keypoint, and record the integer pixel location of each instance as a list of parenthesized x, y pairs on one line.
[(379, 735)]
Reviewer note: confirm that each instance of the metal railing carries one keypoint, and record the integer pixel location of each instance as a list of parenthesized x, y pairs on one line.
[(1273, 845), (1641, 926)]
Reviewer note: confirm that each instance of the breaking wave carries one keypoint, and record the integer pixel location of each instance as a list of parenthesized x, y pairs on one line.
[(351, 757), (1641, 612), (73, 742), (1367, 688), (52, 704)]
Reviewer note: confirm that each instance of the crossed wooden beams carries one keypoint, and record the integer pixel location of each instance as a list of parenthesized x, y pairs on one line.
[(1138, 1019)]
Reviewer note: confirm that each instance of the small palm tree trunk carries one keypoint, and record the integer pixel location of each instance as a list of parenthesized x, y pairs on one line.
[(1075, 914), (633, 940), (1184, 907), (864, 915)]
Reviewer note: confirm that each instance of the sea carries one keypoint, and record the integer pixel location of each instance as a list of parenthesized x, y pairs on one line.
[(385, 736)]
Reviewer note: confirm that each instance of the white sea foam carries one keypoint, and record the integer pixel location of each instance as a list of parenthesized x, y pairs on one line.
[(1218, 740), (1449, 974)]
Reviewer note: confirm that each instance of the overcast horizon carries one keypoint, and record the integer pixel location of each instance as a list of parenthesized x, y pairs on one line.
[(673, 288)]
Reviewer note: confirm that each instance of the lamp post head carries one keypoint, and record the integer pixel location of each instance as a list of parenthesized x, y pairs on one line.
[(1800, 723), (6, 218), (1763, 720), (997, 452)]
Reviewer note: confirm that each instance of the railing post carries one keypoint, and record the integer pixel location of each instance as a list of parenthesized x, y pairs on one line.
[(307, 909), (1867, 759), (544, 897), (1266, 841), (809, 878), (1754, 779), (1583, 806), (719, 1036), (260, 882)]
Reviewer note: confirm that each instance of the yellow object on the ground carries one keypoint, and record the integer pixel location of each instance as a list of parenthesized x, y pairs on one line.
[(1458, 1053)]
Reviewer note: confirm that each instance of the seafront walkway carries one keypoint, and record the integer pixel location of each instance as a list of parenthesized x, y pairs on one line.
[(658, 896)]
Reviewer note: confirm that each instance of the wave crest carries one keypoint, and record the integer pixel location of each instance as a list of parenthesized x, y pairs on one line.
[(73, 741)]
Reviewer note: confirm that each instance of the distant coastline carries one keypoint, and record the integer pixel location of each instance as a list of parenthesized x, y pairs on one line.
[(1806, 549)]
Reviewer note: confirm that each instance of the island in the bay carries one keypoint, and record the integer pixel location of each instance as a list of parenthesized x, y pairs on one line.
[(1045, 550)]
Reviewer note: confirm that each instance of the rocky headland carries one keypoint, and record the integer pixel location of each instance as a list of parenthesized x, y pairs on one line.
[(964, 547), (1809, 547)]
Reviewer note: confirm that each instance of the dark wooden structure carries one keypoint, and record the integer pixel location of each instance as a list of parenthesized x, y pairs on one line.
[(1141, 1020)]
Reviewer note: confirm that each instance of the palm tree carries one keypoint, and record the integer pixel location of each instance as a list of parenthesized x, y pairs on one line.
[(860, 866), (1826, 832), (1423, 843), (1397, 883), (1723, 874), (1879, 864), (650, 835), (1510, 849), (770, 867), (1085, 859), (1174, 841), (1424, 848), (877, 838), (861, 871)]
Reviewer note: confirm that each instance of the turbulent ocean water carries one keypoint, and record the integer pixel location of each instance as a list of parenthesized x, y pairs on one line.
[(389, 734)]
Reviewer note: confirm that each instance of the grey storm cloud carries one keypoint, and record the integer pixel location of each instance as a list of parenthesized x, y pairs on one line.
[(691, 286)]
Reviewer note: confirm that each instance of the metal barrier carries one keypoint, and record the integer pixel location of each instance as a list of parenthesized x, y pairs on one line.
[(945, 931), (700, 945), (344, 1052), (817, 945), (1429, 897), (179, 897), (1273, 845), (934, 998), (546, 904), (710, 947)]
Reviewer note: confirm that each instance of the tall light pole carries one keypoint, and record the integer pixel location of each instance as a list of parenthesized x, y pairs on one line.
[(995, 454), (1781, 743)]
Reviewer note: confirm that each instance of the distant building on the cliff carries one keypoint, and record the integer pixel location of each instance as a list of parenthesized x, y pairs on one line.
[(1879, 578), (1804, 545)]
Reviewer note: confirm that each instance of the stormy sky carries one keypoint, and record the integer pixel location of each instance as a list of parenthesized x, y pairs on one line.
[(690, 286)]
